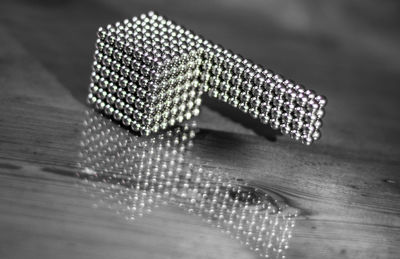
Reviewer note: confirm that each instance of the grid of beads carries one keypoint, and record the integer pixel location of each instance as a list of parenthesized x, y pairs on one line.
[(270, 97), (166, 68), (145, 73)]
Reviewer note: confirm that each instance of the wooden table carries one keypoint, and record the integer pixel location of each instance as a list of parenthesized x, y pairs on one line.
[(344, 190)]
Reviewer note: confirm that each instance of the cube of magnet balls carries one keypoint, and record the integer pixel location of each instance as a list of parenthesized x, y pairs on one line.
[(145, 73)]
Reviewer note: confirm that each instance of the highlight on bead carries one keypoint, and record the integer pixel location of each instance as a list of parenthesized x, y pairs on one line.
[(150, 73)]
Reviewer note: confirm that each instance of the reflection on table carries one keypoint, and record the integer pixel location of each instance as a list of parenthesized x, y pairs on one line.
[(134, 175)]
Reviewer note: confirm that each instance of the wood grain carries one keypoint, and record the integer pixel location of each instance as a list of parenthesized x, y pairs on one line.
[(346, 188)]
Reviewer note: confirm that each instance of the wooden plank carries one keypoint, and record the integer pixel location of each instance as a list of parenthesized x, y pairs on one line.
[(346, 188)]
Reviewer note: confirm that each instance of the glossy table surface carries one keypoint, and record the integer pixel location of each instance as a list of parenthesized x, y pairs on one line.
[(75, 185)]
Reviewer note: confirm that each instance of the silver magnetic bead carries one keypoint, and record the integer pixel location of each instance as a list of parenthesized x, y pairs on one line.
[(243, 107), (264, 118), (111, 99), (322, 101), (248, 74), (115, 66), (274, 124), (123, 82), (288, 107), (247, 86), (258, 79), (119, 104), (299, 112), (125, 71), (108, 50), (223, 86), (96, 67), (130, 98), (223, 97), (295, 134), (126, 120), (285, 129), (139, 104), (255, 102), (171, 121), (290, 95), (145, 70), (91, 99), (214, 82), (238, 69), (307, 140), (128, 110), (234, 102), (301, 99), (109, 110), (268, 73), (117, 115), (100, 44), (288, 83), (265, 107), (310, 117), (254, 113), (277, 101), (100, 104), (228, 63), (318, 124), (138, 53), (275, 113), (93, 88), (103, 83), (135, 65), (127, 60), (117, 54), (106, 61), (245, 97), (155, 76), (101, 94), (147, 58), (101, 33), (297, 123), (112, 88), (137, 115), (121, 93), (308, 129), (143, 82), (316, 135), (225, 75), (134, 76), (188, 115), (119, 43), (280, 89), (114, 77), (128, 49), (320, 113), (299, 88), (310, 94), (132, 87), (312, 105), (278, 78), (151, 98), (287, 118), (141, 93)]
